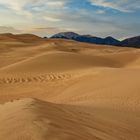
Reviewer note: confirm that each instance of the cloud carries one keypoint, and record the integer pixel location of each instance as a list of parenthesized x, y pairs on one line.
[(45, 31), (14, 4), (42, 31), (56, 3), (120, 5), (35, 9), (52, 19), (20, 5), (4, 29)]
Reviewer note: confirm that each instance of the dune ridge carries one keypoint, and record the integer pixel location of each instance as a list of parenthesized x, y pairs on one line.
[(72, 123)]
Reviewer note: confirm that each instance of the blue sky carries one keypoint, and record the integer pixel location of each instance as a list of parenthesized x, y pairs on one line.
[(117, 18)]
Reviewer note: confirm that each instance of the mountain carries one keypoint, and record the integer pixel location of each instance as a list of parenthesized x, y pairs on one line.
[(87, 38), (132, 42), (111, 41), (66, 35)]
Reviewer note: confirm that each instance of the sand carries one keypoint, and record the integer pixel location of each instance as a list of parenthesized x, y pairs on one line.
[(65, 90)]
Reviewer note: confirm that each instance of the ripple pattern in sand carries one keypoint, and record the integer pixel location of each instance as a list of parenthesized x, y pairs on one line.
[(38, 78)]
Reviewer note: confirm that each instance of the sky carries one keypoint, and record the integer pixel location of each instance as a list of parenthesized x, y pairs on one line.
[(102, 18)]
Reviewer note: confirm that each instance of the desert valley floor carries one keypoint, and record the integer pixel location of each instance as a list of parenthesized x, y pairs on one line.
[(59, 89)]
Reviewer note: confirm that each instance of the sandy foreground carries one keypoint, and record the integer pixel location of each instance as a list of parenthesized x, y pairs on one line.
[(65, 90)]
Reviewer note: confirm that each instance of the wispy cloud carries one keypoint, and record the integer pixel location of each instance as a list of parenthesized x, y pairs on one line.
[(52, 19), (120, 5), (18, 4), (30, 7), (6, 29), (46, 31)]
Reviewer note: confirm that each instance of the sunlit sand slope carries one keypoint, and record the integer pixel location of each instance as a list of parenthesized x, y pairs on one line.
[(30, 119)]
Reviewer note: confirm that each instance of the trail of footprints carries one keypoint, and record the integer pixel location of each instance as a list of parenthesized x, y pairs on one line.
[(39, 78)]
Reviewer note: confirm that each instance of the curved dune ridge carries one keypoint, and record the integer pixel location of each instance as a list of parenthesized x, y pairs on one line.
[(19, 37), (40, 120), (66, 90), (61, 61)]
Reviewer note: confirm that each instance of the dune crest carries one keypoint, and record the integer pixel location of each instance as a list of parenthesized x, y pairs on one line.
[(42, 120)]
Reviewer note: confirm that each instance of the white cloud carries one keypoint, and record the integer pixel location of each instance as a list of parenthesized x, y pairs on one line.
[(51, 19), (56, 3), (120, 5), (14, 4), (35, 9), (20, 4)]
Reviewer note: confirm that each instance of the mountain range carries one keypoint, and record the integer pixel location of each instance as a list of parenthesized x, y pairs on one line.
[(130, 42)]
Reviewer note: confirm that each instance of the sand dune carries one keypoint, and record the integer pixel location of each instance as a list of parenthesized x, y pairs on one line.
[(66, 90), (61, 61), (42, 120), (19, 37)]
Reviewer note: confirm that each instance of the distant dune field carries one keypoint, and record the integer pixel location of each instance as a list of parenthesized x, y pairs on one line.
[(59, 89)]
